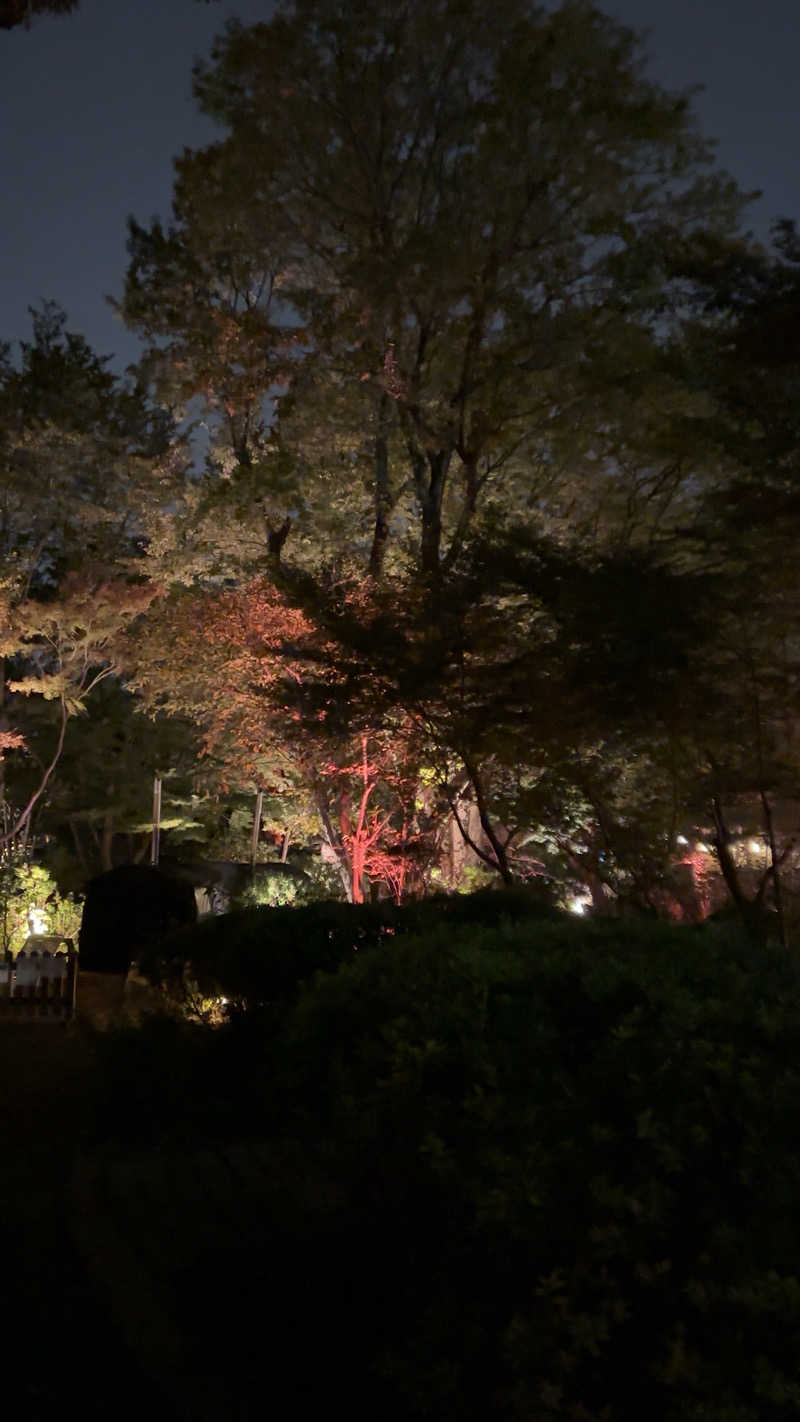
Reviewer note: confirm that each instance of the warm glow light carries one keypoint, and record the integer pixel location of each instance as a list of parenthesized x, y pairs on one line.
[(755, 846), (37, 920), (579, 904), (702, 848)]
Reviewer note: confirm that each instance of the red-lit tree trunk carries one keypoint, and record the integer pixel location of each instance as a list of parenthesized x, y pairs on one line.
[(367, 846), (357, 836)]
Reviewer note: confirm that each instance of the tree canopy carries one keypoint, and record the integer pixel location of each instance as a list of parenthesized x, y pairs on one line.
[(455, 490), (23, 12), (429, 268)]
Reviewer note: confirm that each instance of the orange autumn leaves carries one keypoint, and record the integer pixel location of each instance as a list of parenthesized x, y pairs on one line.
[(259, 674), (252, 640)]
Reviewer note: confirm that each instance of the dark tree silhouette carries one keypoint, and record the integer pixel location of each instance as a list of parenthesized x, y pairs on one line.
[(21, 12)]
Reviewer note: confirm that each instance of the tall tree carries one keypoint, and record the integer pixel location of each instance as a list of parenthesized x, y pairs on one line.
[(436, 239), (432, 291), (742, 348)]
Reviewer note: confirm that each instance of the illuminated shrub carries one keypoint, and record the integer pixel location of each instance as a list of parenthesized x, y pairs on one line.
[(31, 903)]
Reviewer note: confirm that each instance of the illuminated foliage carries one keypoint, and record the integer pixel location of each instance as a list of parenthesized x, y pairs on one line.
[(30, 903), (463, 347), (80, 458), (435, 291), (422, 281)]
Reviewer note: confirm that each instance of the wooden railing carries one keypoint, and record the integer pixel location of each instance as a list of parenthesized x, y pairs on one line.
[(41, 983)]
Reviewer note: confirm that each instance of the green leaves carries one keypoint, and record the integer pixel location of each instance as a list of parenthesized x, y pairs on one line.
[(449, 204), (80, 467)]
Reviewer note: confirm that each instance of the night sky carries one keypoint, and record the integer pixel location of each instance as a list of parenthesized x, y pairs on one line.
[(94, 106)]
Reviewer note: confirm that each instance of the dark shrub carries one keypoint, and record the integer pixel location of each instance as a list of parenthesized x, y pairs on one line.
[(260, 955), (128, 909), (529, 1171), (573, 1149)]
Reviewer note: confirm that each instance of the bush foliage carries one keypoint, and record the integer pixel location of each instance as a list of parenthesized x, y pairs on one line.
[(587, 1144), (258, 956), (564, 1164), (30, 902)]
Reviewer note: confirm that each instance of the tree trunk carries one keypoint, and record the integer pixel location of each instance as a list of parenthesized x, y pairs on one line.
[(750, 911), (497, 859), (430, 476), (335, 846), (466, 516), (380, 541), (775, 862), (431, 509), (384, 500), (588, 873), (107, 842), (498, 848), (358, 834), (23, 818), (78, 845), (276, 537)]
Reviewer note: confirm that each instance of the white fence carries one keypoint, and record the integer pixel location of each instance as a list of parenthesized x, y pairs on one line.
[(41, 983)]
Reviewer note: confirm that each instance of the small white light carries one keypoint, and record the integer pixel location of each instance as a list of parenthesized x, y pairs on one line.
[(681, 839), (702, 848), (576, 905), (224, 1001), (754, 846)]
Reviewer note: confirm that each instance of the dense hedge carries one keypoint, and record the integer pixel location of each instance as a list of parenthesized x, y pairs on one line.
[(581, 1165), (259, 956), (547, 1172)]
